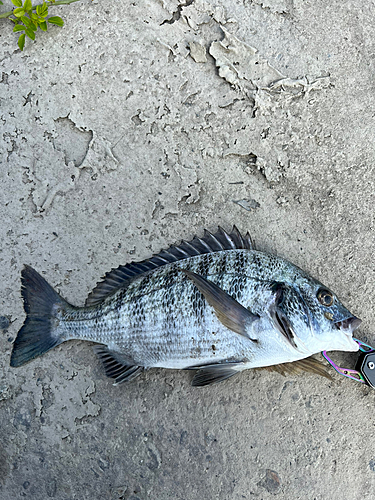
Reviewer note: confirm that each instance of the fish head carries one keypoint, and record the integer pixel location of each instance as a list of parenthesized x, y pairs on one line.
[(313, 318)]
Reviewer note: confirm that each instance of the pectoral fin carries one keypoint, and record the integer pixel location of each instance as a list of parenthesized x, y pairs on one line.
[(230, 312)]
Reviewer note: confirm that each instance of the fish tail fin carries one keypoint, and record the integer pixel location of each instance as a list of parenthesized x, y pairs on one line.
[(43, 306)]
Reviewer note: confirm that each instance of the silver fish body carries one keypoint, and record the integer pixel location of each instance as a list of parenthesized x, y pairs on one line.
[(220, 312)]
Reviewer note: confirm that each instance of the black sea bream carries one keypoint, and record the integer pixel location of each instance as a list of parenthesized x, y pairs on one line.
[(213, 304)]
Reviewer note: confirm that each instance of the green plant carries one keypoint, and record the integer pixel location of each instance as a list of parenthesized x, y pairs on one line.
[(27, 18)]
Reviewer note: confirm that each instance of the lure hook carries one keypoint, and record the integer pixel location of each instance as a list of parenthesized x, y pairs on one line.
[(364, 371)]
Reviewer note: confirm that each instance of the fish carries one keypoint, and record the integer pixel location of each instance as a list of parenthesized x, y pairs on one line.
[(214, 304)]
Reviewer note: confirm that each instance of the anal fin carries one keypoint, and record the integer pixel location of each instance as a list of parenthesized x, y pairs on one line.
[(115, 367), (310, 365)]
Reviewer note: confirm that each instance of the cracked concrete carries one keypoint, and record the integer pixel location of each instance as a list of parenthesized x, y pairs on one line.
[(136, 125), (72, 141)]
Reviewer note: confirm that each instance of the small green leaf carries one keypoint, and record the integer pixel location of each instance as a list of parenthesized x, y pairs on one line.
[(26, 21), (17, 3), (21, 41), (43, 26), (43, 12), (56, 20), (29, 23), (19, 27), (27, 5), (34, 17), (39, 9), (19, 12), (1, 3), (29, 32)]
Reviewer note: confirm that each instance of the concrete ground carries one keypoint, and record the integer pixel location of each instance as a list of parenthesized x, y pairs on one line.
[(140, 123)]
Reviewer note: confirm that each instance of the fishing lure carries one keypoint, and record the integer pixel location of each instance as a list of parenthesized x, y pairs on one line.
[(364, 371)]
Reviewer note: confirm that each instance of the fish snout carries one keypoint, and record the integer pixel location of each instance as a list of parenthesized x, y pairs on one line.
[(344, 337), (348, 325)]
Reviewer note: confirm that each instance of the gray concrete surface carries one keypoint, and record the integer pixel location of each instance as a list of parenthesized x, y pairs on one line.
[(138, 124)]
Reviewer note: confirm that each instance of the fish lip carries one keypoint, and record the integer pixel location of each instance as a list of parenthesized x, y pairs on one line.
[(348, 325)]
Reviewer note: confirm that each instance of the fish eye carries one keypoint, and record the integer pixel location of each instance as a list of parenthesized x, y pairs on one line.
[(325, 297)]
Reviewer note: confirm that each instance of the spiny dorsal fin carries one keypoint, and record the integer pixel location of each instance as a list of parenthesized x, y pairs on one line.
[(310, 365), (120, 277)]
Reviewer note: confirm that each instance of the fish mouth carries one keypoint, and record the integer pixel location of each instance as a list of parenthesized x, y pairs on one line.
[(348, 325)]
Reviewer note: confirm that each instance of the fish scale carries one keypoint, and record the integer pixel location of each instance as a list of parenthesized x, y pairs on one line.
[(214, 304)]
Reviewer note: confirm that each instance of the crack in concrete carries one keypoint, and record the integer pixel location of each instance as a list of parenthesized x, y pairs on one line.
[(4, 78), (242, 66), (28, 98), (71, 140), (176, 15), (279, 7)]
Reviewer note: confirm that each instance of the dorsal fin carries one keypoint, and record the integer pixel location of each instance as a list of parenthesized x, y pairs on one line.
[(120, 277)]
